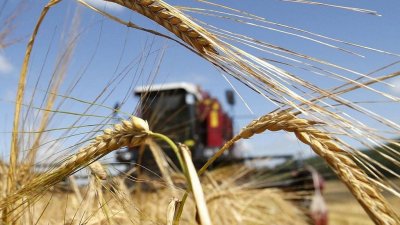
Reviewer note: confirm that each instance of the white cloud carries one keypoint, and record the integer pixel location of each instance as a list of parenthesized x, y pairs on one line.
[(5, 66), (396, 88), (109, 6)]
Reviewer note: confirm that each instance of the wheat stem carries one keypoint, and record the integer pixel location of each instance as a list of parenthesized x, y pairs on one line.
[(179, 211), (14, 152), (174, 148), (196, 188)]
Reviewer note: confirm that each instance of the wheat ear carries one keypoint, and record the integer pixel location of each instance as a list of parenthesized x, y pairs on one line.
[(325, 146), (165, 15), (130, 133), (98, 170)]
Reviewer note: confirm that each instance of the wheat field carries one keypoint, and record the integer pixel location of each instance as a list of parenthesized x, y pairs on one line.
[(81, 56)]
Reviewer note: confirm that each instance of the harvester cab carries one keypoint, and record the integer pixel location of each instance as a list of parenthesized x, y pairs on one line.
[(186, 114)]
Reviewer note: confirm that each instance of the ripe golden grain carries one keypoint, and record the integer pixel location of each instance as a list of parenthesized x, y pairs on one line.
[(367, 194), (165, 15), (129, 133)]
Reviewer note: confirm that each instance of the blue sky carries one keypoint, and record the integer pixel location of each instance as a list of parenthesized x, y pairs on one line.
[(105, 47)]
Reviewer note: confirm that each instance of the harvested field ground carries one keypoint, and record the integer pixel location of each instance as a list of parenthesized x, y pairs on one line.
[(344, 209)]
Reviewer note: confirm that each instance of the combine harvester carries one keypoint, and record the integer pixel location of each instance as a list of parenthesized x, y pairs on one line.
[(189, 115)]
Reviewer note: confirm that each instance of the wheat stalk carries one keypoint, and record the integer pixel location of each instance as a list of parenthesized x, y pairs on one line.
[(196, 187), (14, 150), (20, 93), (325, 146), (128, 133), (339, 160)]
